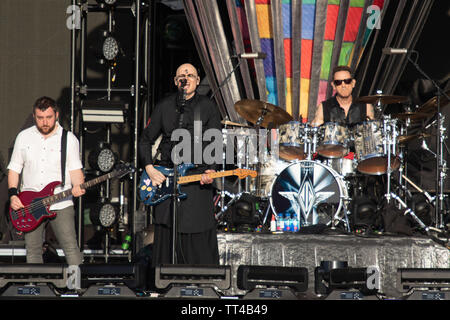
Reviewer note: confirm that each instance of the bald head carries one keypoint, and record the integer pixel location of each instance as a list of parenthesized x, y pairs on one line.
[(187, 72)]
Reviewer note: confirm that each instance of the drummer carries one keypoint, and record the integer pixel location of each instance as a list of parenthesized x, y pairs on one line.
[(340, 108)]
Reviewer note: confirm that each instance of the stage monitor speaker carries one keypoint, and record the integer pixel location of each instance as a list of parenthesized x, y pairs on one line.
[(192, 281), (272, 282), (426, 278), (56, 274), (113, 279)]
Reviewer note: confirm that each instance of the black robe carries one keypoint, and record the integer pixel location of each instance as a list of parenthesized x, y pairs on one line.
[(196, 225)]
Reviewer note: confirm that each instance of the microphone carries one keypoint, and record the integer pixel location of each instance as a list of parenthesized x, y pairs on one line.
[(251, 55), (389, 51), (183, 83)]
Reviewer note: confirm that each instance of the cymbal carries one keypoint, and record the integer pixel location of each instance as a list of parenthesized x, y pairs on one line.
[(411, 115), (431, 105), (252, 110), (405, 139), (382, 98), (229, 123)]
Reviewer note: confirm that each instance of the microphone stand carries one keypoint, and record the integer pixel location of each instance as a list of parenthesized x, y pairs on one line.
[(181, 103), (441, 165)]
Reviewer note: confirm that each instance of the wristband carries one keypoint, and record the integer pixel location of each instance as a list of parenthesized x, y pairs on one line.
[(12, 192)]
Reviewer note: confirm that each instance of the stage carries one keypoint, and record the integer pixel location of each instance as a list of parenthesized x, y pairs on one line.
[(386, 253)]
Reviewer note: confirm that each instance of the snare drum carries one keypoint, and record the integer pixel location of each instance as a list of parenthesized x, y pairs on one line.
[(335, 140), (373, 140), (291, 140)]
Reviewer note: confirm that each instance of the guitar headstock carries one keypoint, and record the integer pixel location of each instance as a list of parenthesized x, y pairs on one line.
[(122, 169), (244, 173)]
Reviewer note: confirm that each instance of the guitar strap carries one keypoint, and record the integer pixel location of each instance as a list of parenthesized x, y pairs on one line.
[(63, 156)]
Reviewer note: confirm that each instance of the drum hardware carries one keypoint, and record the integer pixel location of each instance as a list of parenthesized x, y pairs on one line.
[(409, 211), (441, 165)]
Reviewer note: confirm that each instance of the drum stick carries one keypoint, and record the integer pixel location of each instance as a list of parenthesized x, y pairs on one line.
[(418, 189)]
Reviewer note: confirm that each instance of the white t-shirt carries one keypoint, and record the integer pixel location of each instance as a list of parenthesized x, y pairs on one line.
[(39, 161)]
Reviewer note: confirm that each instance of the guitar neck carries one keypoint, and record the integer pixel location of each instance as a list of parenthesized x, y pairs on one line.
[(198, 177), (62, 195)]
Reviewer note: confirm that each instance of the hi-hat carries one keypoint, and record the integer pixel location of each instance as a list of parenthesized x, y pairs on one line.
[(405, 139), (431, 105), (382, 98), (413, 116), (253, 110), (235, 124)]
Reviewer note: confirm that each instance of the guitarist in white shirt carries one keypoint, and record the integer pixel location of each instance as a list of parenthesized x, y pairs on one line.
[(37, 156)]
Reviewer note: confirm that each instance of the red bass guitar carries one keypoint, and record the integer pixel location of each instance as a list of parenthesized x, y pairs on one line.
[(37, 204)]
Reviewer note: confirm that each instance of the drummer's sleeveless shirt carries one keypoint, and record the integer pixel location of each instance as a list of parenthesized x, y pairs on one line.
[(332, 112)]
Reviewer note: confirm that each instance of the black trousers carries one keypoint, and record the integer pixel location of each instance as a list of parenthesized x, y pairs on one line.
[(191, 248)]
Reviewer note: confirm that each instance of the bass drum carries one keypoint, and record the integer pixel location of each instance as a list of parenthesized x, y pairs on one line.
[(309, 189)]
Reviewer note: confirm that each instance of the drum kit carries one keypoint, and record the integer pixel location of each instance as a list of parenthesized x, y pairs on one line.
[(314, 172)]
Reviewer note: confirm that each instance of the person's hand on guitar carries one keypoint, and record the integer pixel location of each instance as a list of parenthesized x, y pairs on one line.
[(205, 178), (77, 191), (155, 176), (15, 203)]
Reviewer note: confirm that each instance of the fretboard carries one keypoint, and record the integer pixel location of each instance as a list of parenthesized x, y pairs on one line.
[(198, 177), (65, 194)]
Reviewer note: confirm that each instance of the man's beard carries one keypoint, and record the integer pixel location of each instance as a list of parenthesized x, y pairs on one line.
[(46, 130)]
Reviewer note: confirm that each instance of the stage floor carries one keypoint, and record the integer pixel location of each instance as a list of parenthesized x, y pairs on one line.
[(386, 253)]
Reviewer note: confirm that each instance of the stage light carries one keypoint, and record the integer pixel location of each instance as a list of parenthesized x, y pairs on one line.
[(340, 282), (272, 282), (113, 280), (244, 215), (104, 214), (110, 48), (192, 281), (364, 213), (103, 111), (102, 158), (416, 278), (422, 209), (32, 280)]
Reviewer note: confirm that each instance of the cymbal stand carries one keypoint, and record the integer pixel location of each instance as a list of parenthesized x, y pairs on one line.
[(389, 145), (441, 166), (441, 170)]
